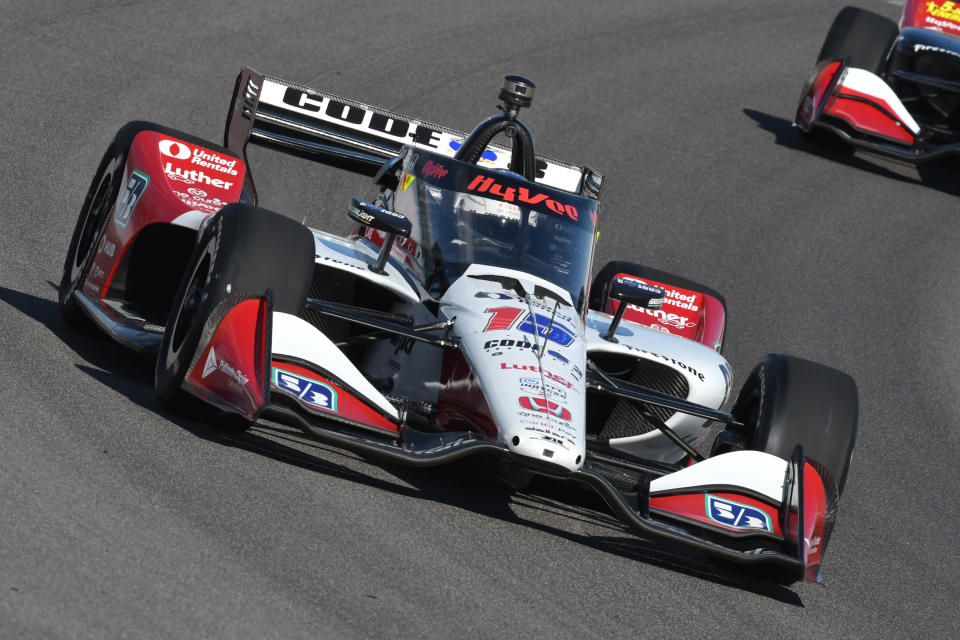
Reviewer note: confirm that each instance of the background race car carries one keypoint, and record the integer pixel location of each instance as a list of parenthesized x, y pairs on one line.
[(889, 88)]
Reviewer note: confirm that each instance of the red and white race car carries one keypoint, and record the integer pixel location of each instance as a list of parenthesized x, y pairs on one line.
[(459, 318), (889, 88)]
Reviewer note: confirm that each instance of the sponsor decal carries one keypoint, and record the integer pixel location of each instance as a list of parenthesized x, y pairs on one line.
[(683, 366), (136, 185), (190, 164), (737, 516), (354, 116), (521, 195), (434, 170), (534, 385), (210, 365), (213, 364), (535, 369), (407, 181), (106, 247), (96, 271), (558, 357), (492, 295), (203, 203), (360, 215), (944, 10), (194, 176), (311, 392), (508, 344), (926, 47), (677, 305), (198, 156), (545, 406)]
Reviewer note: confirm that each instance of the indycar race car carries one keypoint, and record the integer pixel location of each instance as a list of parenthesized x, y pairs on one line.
[(888, 88), (459, 318)]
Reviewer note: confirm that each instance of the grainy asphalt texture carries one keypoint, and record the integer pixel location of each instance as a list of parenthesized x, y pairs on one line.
[(118, 521)]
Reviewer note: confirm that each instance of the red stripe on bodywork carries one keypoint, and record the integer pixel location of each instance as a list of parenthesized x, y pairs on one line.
[(692, 506), (230, 367), (869, 113), (347, 406)]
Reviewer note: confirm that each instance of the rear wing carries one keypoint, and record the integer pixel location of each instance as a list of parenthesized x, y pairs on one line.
[(357, 137)]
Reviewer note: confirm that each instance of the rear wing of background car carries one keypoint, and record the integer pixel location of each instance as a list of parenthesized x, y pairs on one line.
[(357, 137)]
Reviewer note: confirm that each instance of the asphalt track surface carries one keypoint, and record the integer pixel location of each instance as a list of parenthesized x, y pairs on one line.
[(118, 521)]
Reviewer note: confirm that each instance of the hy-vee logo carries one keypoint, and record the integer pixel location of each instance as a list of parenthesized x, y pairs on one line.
[(737, 516)]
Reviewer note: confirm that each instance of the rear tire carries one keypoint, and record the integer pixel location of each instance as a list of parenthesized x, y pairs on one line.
[(242, 252), (861, 37), (788, 401)]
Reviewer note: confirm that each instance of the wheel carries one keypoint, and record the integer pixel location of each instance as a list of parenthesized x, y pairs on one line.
[(242, 252), (97, 209), (601, 283), (861, 37), (788, 401)]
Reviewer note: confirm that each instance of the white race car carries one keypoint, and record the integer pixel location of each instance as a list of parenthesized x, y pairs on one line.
[(458, 319)]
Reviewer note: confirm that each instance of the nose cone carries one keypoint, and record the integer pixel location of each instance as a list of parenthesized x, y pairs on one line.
[(535, 395)]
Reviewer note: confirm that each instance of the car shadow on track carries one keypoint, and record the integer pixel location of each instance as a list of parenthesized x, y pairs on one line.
[(535, 507), (940, 175)]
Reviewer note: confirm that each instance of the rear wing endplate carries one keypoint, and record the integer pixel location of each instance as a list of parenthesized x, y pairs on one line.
[(357, 137)]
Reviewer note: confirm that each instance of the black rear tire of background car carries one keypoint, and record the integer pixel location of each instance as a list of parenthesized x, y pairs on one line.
[(97, 210), (788, 401), (601, 283), (243, 252), (861, 37)]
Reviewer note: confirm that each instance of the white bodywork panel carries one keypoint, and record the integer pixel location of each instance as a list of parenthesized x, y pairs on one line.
[(299, 339), (863, 81), (759, 472), (537, 398)]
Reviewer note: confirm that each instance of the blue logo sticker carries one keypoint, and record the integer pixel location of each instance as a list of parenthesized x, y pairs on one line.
[(559, 357), (736, 515), (312, 393), (489, 156), (558, 333)]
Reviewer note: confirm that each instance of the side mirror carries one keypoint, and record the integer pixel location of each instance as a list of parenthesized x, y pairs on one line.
[(629, 291), (390, 222)]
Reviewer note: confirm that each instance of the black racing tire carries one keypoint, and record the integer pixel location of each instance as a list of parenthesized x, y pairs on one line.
[(242, 252), (861, 37), (97, 210), (601, 283), (788, 401)]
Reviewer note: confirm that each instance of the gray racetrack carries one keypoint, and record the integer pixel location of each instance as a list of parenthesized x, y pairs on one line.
[(118, 521)]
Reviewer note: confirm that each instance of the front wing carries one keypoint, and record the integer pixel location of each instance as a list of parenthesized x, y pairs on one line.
[(775, 514)]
